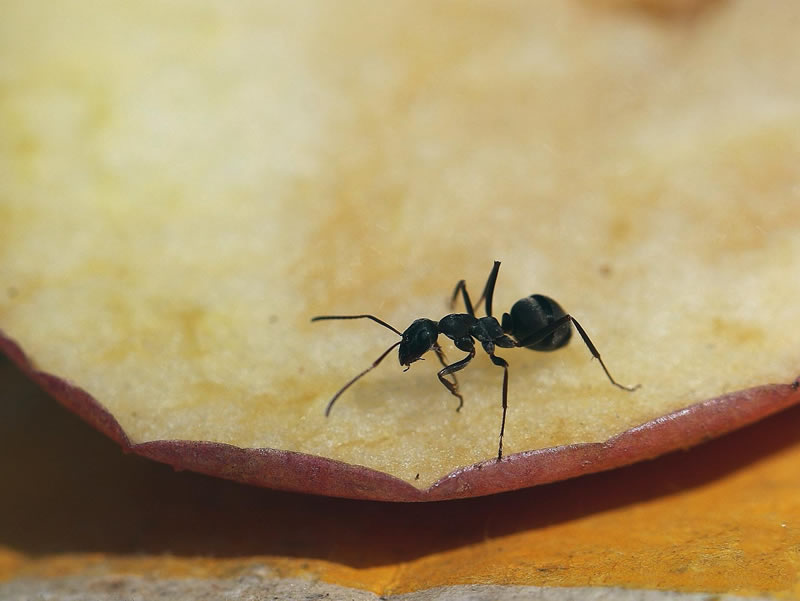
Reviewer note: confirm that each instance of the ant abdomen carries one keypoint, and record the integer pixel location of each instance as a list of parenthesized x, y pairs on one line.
[(532, 314)]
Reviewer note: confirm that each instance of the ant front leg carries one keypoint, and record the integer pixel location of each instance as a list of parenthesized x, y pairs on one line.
[(451, 369), (442, 359)]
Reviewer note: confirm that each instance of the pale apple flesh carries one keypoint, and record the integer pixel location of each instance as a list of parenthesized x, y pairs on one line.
[(180, 193)]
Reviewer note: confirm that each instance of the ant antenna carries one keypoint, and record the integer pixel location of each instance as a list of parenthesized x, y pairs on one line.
[(359, 376), (374, 364), (372, 317)]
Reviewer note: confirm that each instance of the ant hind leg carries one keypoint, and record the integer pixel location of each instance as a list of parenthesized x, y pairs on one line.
[(547, 330)]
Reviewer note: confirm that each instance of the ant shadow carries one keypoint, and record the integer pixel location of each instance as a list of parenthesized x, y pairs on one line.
[(69, 489)]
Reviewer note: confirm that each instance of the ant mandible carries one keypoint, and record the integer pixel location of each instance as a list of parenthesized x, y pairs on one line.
[(536, 322)]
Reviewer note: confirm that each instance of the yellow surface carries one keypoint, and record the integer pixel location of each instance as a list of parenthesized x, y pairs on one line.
[(184, 185), (723, 517)]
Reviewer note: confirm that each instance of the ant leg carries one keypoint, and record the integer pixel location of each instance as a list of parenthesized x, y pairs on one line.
[(372, 317), (363, 373), (488, 293), (462, 287), (545, 332), (596, 355), (488, 290), (500, 362), (440, 353), (450, 369)]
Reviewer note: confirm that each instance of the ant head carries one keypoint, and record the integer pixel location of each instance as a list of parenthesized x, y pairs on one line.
[(534, 313), (418, 339)]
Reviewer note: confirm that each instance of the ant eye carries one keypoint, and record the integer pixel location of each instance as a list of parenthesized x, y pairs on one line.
[(424, 339)]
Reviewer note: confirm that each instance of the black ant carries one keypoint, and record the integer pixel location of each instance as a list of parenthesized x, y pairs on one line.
[(536, 322)]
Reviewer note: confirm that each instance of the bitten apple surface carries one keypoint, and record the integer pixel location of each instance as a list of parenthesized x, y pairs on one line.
[(182, 190)]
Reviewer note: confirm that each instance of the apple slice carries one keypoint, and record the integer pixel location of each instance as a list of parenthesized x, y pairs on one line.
[(300, 472), (179, 196)]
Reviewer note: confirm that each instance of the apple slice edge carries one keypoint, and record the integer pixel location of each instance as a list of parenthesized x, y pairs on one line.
[(299, 472)]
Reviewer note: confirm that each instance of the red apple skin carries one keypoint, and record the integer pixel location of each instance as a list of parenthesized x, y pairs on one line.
[(299, 472)]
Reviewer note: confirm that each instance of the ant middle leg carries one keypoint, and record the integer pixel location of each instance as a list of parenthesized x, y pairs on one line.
[(488, 290), (487, 294), (462, 287), (500, 362), (451, 369)]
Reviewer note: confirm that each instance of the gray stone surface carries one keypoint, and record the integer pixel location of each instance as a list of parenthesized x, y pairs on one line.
[(259, 585)]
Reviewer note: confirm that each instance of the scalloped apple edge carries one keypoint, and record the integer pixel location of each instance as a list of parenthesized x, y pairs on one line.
[(299, 472)]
